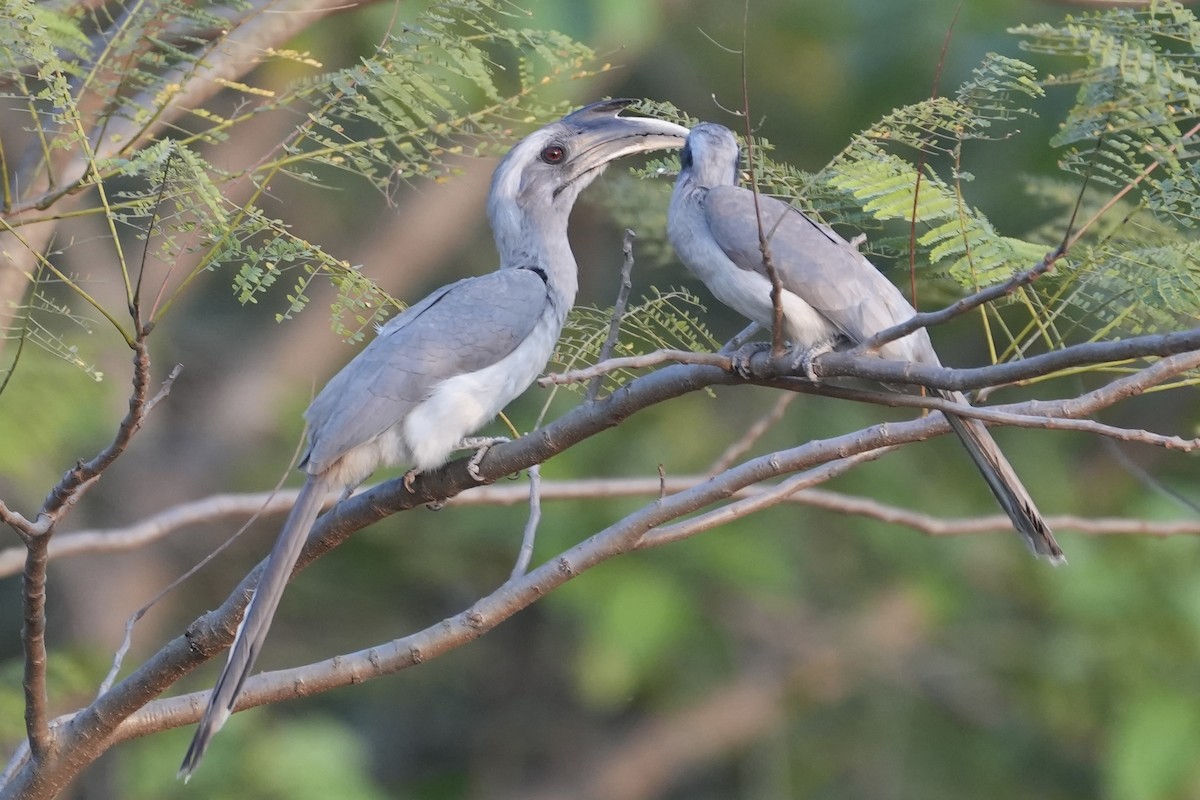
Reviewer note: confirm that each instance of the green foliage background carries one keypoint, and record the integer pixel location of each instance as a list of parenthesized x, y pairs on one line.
[(893, 665)]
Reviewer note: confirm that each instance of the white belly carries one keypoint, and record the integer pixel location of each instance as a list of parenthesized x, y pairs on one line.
[(461, 405), (746, 291)]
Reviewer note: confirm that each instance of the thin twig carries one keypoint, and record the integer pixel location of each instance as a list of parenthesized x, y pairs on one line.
[(255, 513), (657, 358), (1129, 187), (752, 434), (77, 480), (994, 523), (920, 166), (618, 314), (665, 534), (958, 308), (1149, 481), (1028, 418), (525, 556), (37, 538), (740, 338), (764, 245), (219, 507), (135, 301), (22, 526)]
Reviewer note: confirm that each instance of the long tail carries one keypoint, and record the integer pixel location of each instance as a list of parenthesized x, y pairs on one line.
[(1003, 481), (257, 619)]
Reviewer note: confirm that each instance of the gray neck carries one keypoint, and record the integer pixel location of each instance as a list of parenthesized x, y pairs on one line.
[(537, 240)]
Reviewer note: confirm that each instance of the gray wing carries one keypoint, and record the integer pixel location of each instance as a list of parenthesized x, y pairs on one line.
[(459, 329), (817, 264)]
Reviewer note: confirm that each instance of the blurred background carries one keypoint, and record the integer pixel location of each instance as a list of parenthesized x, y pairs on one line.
[(797, 653)]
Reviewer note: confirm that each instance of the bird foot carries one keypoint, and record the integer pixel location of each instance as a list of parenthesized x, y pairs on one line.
[(481, 444), (803, 360), (409, 478), (739, 360), (858, 241)]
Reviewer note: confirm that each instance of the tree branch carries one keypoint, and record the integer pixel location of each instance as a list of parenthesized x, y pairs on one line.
[(93, 729), (623, 536), (226, 506), (77, 480), (768, 371), (33, 638), (957, 308), (37, 537), (836, 364), (525, 556), (760, 500), (752, 434), (614, 328), (655, 359)]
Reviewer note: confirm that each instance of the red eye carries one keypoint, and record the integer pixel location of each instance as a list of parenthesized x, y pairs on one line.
[(553, 154)]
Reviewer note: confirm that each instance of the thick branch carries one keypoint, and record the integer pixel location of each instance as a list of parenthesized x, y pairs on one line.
[(621, 537), (33, 637), (768, 371), (837, 364)]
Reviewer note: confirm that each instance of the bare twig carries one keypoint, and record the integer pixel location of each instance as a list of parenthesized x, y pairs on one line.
[(535, 516), (920, 167), (1150, 481), (219, 507), (765, 499), (1027, 418), (618, 314), (994, 523), (77, 480), (958, 308), (764, 244), (255, 513), (209, 509), (22, 526), (752, 434), (1126, 189), (657, 358), (739, 339), (37, 538)]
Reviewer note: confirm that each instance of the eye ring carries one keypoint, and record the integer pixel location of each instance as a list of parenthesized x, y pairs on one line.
[(553, 154)]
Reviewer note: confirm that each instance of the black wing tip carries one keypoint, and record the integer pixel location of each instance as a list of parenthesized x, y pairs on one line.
[(215, 715), (1039, 536), (195, 752)]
